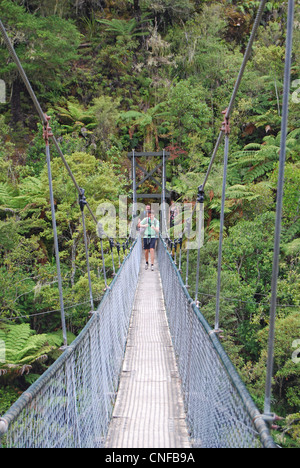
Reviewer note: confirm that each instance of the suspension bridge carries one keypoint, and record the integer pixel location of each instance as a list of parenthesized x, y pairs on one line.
[(148, 370)]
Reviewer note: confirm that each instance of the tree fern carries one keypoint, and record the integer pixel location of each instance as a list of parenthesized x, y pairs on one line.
[(7, 194), (258, 171), (75, 116), (241, 192), (257, 160), (291, 232), (292, 248), (32, 350), (31, 191), (123, 28), (15, 340), (23, 347)]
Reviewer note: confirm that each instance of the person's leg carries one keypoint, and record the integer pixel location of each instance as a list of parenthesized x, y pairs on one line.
[(146, 250), (152, 252), (152, 256)]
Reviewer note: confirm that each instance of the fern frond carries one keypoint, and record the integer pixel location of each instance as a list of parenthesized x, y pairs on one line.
[(241, 192), (131, 115), (34, 357), (258, 171), (292, 248), (33, 345), (252, 147), (16, 339), (292, 231)]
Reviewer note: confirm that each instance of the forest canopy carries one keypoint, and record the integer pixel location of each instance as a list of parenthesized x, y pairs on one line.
[(117, 75)]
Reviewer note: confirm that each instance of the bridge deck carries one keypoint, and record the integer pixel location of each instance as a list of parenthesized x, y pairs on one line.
[(149, 411)]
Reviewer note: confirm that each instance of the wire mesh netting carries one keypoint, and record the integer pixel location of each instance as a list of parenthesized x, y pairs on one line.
[(220, 411), (71, 404)]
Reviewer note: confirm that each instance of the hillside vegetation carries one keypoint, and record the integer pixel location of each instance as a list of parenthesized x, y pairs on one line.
[(117, 75)]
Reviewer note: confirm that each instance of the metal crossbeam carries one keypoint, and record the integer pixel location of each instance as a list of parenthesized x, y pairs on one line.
[(148, 174)]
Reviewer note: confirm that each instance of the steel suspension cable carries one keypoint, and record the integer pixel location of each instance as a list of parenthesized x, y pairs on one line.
[(39, 110), (82, 204), (284, 123), (45, 120), (237, 84), (226, 152), (235, 90), (225, 130), (47, 132)]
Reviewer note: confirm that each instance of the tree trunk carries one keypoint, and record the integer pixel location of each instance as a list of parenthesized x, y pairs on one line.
[(137, 10)]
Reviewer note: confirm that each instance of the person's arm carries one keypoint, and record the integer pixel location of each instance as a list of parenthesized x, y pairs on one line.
[(156, 228)]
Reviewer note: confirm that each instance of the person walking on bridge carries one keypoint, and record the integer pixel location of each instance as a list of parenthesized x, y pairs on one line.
[(151, 230)]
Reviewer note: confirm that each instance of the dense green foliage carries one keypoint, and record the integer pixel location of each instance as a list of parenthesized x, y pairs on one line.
[(121, 74)]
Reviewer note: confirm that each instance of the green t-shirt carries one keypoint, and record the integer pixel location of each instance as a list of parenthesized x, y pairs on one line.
[(149, 223)]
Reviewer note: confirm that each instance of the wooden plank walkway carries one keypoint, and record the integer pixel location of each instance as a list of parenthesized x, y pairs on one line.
[(149, 410)]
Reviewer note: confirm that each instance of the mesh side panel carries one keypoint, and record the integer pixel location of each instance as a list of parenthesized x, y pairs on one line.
[(217, 414), (71, 404)]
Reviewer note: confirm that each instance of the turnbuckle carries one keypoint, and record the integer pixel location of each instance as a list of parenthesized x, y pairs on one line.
[(226, 123), (47, 131), (82, 199)]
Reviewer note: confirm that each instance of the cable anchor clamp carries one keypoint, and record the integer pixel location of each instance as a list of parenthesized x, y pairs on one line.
[(82, 199), (200, 197), (226, 123), (216, 331), (111, 243), (47, 131), (270, 419)]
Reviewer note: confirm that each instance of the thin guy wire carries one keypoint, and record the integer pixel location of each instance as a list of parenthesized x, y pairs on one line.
[(237, 84), (44, 120), (87, 260), (39, 110), (226, 151), (56, 248)]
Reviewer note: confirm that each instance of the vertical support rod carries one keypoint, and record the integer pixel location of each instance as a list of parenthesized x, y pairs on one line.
[(62, 311), (188, 222), (111, 244), (200, 201), (226, 151), (103, 264), (180, 254), (133, 229), (87, 258), (163, 196), (280, 185)]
